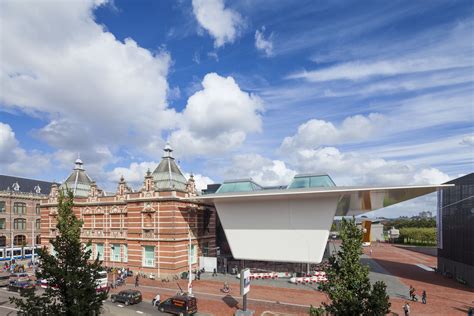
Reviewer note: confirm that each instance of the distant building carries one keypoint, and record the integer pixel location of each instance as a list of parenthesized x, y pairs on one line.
[(20, 215), (456, 230), (147, 230), (425, 214)]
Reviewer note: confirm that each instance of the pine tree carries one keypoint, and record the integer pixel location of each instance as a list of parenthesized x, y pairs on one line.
[(348, 286), (69, 272)]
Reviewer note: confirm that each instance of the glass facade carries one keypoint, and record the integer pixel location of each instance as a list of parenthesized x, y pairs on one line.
[(310, 181), (456, 230), (148, 256)]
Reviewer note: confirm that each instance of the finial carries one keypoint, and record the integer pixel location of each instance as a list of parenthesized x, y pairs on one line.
[(122, 179), (148, 172)]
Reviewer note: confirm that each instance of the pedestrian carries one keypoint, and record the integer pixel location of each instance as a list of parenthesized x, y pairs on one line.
[(406, 309), (156, 300), (470, 311), (198, 275), (136, 280), (214, 273), (371, 252), (423, 297)]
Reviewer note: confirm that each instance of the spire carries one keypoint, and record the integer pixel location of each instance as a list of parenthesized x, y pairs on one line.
[(78, 163), (168, 151)]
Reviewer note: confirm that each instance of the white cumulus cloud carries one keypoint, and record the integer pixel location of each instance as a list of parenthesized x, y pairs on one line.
[(222, 23), (217, 118), (315, 133), (93, 89)]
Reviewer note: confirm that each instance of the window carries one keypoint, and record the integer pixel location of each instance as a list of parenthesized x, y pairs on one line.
[(19, 240), (38, 210), (205, 249), (19, 223), (193, 254), (3, 241), (311, 181), (148, 256), (2, 223), (115, 252), (38, 224), (19, 208), (2, 206), (99, 249), (38, 239), (88, 248), (125, 253)]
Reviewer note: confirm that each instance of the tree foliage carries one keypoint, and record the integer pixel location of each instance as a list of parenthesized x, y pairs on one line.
[(348, 286), (413, 235), (69, 272), (411, 222)]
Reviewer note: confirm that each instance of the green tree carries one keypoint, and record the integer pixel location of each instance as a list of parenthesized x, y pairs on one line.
[(378, 303), (69, 270), (348, 286)]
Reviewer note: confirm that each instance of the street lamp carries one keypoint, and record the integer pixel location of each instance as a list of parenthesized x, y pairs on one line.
[(112, 247)]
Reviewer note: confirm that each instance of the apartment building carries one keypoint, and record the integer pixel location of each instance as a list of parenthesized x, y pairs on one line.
[(20, 215)]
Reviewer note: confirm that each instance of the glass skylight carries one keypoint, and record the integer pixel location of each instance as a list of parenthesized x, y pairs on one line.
[(311, 181), (238, 186)]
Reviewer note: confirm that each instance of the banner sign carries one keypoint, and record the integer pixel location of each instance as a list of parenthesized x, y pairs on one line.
[(244, 281)]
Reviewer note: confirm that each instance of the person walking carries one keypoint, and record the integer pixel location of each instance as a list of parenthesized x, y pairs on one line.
[(214, 273), (137, 280), (406, 309), (423, 297), (156, 300)]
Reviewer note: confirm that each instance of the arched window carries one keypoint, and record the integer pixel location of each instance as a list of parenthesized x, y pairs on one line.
[(38, 239), (3, 241), (19, 223), (19, 240)]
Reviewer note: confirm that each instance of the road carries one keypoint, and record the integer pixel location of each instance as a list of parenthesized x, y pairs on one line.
[(144, 308)]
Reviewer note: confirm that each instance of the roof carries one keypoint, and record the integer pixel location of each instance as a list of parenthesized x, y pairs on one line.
[(353, 200), (468, 179), (25, 185), (167, 175), (78, 181)]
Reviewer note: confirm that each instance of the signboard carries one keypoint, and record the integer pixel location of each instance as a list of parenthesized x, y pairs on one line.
[(244, 281)]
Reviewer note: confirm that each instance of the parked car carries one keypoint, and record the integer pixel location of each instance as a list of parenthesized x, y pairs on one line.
[(179, 305), (14, 277), (127, 297), (21, 285)]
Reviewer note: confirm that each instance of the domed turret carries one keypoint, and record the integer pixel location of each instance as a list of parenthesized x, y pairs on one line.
[(78, 181), (168, 176)]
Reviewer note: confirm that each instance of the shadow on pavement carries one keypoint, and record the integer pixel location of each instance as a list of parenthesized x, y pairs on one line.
[(230, 301)]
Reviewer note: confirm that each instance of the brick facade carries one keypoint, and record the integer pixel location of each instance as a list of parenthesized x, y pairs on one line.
[(151, 228)]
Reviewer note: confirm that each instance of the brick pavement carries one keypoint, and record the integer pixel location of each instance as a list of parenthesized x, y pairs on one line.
[(445, 297)]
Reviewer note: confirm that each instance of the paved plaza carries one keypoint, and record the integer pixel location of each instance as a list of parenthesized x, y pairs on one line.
[(397, 267)]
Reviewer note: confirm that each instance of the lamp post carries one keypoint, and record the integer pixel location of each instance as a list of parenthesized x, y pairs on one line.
[(113, 264), (190, 275)]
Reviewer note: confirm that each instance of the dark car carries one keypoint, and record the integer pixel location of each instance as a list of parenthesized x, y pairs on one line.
[(21, 285), (127, 297), (179, 305)]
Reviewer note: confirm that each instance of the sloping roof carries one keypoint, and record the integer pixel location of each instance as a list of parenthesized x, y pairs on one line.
[(167, 175), (26, 185), (78, 181)]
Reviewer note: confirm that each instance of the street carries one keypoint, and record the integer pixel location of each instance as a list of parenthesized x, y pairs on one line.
[(109, 308)]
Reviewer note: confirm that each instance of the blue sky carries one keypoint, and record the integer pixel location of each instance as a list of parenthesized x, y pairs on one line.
[(370, 92)]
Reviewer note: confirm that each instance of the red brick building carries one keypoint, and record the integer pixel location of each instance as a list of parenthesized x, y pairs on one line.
[(147, 230)]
